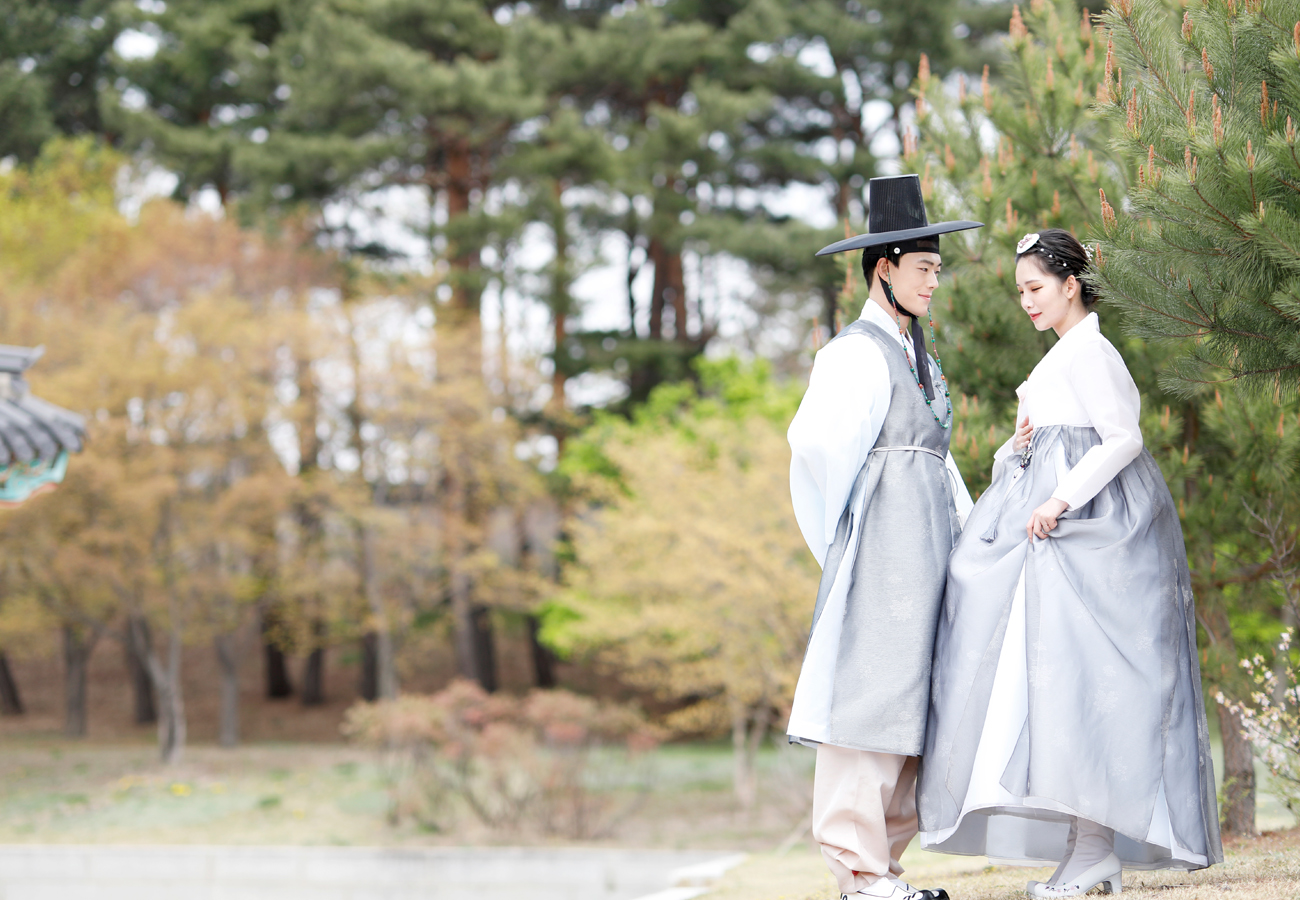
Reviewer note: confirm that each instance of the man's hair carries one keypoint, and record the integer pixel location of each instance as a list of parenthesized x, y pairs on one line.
[(894, 253)]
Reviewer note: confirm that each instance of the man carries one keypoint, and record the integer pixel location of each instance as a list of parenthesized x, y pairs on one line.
[(879, 500)]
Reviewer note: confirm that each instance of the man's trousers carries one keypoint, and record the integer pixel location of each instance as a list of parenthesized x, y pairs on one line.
[(864, 813)]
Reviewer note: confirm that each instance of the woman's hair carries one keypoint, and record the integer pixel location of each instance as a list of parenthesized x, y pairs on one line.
[(1059, 253)]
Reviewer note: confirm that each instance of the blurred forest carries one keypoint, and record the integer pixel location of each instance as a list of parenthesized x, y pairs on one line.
[(436, 339)]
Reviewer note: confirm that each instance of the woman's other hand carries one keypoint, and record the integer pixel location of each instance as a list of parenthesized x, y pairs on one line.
[(1043, 519), (1024, 431)]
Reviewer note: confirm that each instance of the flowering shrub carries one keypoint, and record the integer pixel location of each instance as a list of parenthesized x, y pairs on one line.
[(1272, 724), (539, 760)]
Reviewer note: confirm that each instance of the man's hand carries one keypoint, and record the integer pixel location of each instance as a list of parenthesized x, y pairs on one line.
[(1043, 519), (1024, 431)]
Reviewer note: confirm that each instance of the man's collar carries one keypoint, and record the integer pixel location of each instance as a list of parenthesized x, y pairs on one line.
[(871, 312)]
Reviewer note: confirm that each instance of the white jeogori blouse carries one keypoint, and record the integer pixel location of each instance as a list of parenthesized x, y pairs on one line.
[(1083, 381), (838, 423)]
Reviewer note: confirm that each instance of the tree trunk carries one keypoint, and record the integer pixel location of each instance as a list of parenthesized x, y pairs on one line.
[(1237, 806), (278, 685), (228, 659), (139, 644), (484, 648), (76, 657), (172, 727), (462, 612), (471, 622), (560, 301), (543, 658), (369, 682), (313, 678), (11, 703), (666, 289), (461, 182), (378, 643), (748, 729), (313, 671)]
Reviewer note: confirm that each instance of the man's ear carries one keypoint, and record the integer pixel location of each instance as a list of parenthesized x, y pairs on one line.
[(882, 268)]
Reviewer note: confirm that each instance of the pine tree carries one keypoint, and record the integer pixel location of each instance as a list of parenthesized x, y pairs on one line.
[(1207, 256), (209, 87), (1221, 455), (1022, 151), (54, 61)]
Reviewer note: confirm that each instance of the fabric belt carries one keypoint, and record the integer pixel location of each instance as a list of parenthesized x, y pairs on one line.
[(918, 449)]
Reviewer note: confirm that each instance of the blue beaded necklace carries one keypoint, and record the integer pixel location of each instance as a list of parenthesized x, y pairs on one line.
[(943, 380)]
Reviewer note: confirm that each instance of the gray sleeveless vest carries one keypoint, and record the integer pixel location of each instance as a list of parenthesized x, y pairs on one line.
[(881, 688)]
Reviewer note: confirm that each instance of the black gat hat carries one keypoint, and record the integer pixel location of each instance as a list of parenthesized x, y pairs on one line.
[(896, 216)]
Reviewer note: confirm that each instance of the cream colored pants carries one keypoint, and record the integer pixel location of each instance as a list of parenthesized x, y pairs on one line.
[(864, 813)]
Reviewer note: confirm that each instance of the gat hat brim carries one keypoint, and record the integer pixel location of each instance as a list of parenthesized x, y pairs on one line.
[(858, 242), (896, 215)]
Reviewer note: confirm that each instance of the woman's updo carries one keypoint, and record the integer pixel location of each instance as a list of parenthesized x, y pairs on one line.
[(1060, 254)]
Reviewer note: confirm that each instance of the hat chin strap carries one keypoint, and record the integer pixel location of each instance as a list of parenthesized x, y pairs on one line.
[(918, 343)]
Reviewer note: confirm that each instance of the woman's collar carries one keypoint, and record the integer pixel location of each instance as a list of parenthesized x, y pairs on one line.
[(1089, 324)]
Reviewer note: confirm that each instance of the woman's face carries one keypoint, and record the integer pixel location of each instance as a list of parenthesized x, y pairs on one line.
[(914, 280), (1049, 301)]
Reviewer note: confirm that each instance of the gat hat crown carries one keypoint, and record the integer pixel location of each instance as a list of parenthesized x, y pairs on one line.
[(896, 215)]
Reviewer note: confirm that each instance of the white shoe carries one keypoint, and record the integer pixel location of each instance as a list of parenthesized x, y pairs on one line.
[(1065, 860), (1107, 873), (890, 888)]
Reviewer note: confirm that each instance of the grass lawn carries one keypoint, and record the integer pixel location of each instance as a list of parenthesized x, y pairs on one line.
[(1263, 868), (58, 791)]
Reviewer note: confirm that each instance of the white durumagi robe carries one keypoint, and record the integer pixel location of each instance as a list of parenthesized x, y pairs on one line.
[(839, 472)]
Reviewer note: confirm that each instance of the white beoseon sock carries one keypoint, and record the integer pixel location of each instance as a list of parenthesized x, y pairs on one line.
[(1092, 844)]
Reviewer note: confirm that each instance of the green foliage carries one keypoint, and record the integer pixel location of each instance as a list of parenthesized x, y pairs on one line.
[(1205, 256), (1021, 153), (54, 207), (54, 58), (728, 389)]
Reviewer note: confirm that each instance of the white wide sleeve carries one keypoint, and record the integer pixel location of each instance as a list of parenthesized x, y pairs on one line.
[(835, 428), (960, 493), (1009, 447), (1107, 393)]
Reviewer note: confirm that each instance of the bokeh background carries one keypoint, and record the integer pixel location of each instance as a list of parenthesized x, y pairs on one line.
[(437, 355)]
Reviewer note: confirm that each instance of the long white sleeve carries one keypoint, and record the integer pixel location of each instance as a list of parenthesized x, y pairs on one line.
[(1009, 447), (1105, 389), (835, 428), (960, 493)]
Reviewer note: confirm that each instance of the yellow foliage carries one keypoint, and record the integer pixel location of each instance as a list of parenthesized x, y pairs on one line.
[(696, 585)]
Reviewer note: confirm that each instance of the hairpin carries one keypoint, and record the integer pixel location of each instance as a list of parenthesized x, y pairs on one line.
[(1027, 241)]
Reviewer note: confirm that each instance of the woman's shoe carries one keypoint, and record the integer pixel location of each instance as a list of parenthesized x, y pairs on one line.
[(1107, 873), (1070, 842)]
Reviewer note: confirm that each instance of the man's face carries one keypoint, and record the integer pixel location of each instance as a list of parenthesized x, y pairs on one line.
[(914, 280)]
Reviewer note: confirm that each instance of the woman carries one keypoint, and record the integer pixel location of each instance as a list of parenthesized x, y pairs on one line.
[(1066, 721)]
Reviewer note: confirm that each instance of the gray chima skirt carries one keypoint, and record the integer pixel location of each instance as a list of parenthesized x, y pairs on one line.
[(1090, 636)]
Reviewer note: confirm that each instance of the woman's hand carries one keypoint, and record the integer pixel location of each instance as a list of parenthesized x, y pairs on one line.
[(1024, 431), (1043, 519)]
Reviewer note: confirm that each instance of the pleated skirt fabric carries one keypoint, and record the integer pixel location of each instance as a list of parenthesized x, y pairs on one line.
[(1065, 679)]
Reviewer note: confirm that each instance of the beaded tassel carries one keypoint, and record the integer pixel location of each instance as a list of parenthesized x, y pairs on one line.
[(943, 380)]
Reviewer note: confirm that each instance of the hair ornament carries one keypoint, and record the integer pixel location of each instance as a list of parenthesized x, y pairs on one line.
[(1027, 241), (1087, 251)]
